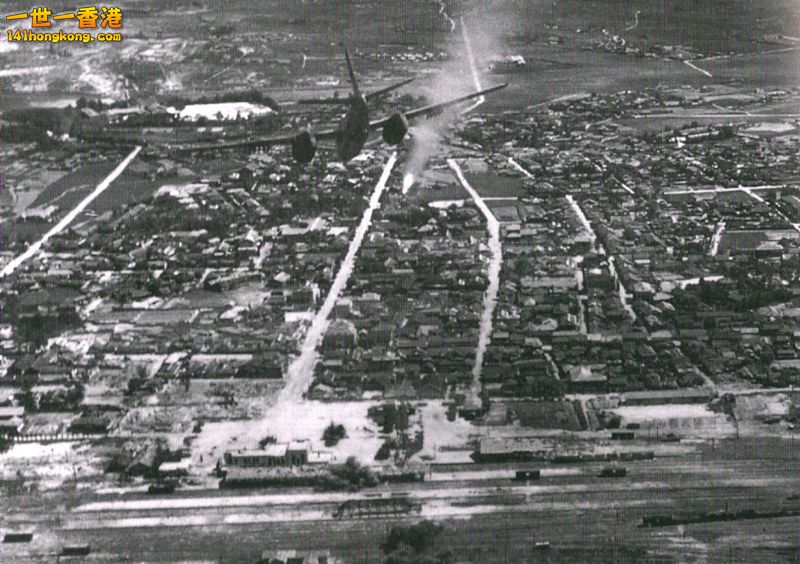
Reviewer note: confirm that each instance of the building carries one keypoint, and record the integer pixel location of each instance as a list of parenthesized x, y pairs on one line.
[(696, 395), (585, 379), (341, 334), (223, 111), (295, 453), (785, 372), (175, 469), (298, 557), (11, 420), (509, 449)]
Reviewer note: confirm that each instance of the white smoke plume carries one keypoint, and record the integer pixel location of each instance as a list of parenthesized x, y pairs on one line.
[(426, 138), (474, 41)]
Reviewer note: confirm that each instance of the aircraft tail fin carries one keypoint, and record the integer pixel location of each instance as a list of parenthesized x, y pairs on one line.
[(352, 73)]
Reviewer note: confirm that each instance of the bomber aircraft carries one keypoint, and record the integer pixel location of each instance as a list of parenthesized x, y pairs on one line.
[(352, 133)]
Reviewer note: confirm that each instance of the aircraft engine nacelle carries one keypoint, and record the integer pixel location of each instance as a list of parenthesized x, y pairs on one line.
[(395, 129), (304, 147)]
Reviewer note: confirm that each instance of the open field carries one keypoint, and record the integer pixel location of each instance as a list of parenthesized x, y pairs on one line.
[(603, 72), (129, 188), (486, 182), (65, 193), (547, 415), (683, 22), (68, 191), (72, 188), (511, 27)]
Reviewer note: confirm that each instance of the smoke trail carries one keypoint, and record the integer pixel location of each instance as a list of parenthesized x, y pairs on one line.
[(473, 67), (469, 52), (443, 12), (426, 138)]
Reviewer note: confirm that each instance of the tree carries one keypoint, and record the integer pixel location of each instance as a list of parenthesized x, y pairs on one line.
[(268, 440), (410, 544), (350, 475), (333, 434)]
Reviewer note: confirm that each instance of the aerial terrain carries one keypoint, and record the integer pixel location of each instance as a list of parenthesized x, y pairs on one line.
[(558, 322)]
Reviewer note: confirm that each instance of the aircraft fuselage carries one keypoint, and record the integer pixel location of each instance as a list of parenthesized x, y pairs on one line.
[(354, 129)]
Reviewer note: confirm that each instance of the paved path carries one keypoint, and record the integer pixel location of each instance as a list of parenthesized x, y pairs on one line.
[(495, 263), (301, 370), (723, 190), (623, 293), (36, 247), (717, 238), (519, 167), (698, 69)]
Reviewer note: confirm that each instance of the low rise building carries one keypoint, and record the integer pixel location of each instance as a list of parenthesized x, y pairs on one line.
[(295, 453)]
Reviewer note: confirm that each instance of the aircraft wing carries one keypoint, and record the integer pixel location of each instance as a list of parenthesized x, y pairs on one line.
[(267, 141), (377, 93), (343, 100), (435, 109), (335, 101)]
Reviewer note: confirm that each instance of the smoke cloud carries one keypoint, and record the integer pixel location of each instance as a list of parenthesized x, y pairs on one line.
[(474, 42)]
